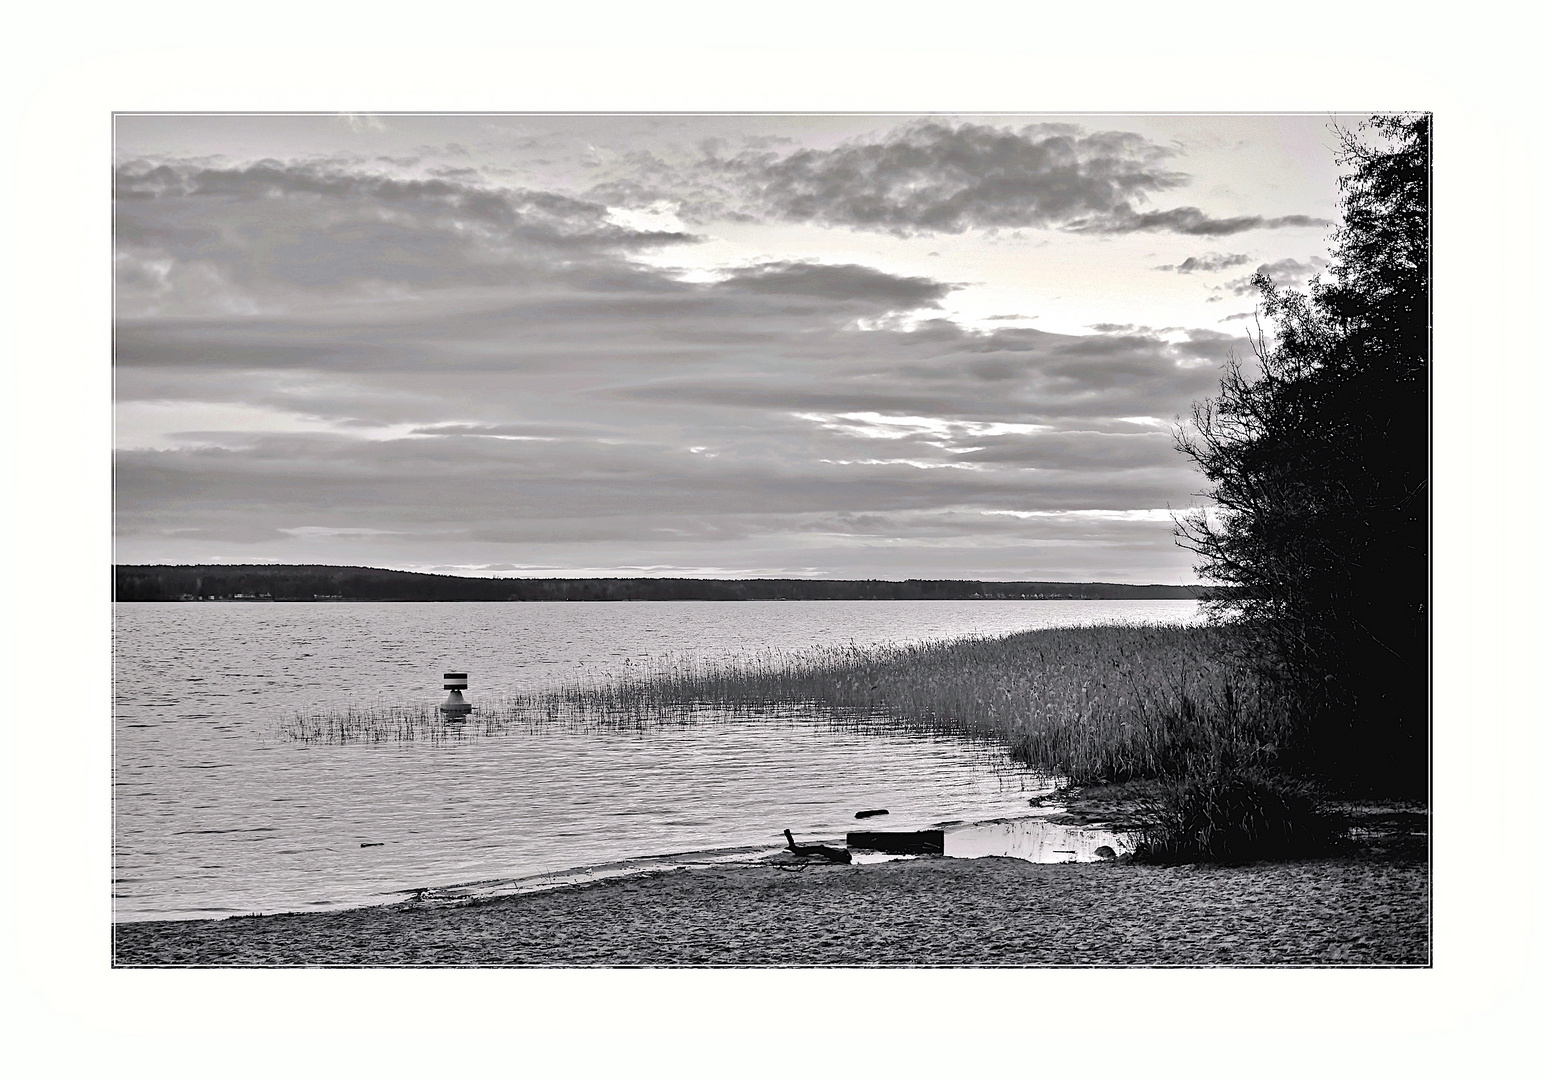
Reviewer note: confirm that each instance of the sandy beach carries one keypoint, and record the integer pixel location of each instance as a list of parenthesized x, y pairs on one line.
[(1366, 906)]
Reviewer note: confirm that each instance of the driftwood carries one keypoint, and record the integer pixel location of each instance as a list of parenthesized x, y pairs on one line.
[(861, 814), (834, 854), (926, 842)]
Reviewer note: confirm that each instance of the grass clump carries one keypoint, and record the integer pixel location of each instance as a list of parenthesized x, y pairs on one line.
[(361, 724), (1233, 816)]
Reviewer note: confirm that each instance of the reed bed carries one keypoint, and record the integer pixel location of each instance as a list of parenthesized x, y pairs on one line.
[(1175, 706), (1093, 704), (572, 708), (424, 723), (369, 724), (1098, 703)]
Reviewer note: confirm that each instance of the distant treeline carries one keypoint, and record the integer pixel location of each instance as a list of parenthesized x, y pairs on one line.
[(364, 583)]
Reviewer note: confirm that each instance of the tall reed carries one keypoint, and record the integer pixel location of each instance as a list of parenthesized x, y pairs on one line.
[(1101, 703)]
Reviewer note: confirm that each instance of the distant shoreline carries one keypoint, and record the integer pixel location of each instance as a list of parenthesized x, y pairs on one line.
[(264, 583)]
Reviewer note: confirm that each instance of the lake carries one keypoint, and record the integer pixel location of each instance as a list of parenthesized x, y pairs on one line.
[(216, 812)]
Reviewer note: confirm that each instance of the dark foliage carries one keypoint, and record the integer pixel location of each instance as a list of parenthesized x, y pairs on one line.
[(1316, 453), (1232, 815)]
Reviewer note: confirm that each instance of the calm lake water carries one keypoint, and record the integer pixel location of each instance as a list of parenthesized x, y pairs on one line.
[(216, 812)]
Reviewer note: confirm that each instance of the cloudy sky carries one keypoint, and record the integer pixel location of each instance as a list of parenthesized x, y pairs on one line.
[(836, 346)]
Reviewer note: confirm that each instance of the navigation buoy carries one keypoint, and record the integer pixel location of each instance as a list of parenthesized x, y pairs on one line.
[(455, 706)]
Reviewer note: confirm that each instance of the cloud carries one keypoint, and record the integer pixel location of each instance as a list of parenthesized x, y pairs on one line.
[(362, 122), (939, 177), (1190, 221), (528, 432), (269, 235), (1208, 263), (935, 176), (317, 362), (1286, 273), (838, 282), (272, 242), (1014, 376), (544, 437), (584, 490), (1110, 515), (872, 425)]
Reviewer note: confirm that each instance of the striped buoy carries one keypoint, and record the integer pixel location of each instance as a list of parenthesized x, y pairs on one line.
[(455, 706)]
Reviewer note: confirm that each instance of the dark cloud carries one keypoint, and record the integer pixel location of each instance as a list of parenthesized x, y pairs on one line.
[(196, 238), (602, 313), (533, 216), (1189, 221), (269, 243), (1209, 346), (840, 282), (1018, 375), (1205, 263), (937, 176), (940, 177)]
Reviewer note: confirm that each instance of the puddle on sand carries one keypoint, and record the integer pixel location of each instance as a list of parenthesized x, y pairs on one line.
[(1034, 840)]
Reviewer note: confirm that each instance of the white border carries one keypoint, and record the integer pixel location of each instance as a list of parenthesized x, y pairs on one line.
[(68, 72)]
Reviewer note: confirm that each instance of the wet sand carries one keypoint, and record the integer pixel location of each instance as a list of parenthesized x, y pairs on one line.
[(1367, 906)]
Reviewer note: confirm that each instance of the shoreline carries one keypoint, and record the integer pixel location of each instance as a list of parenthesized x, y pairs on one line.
[(238, 582), (1366, 905), (480, 890)]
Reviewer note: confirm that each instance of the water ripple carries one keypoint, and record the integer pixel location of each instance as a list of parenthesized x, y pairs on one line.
[(206, 685)]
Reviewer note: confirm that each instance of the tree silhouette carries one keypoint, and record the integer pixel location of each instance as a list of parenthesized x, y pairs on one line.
[(1316, 452)]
